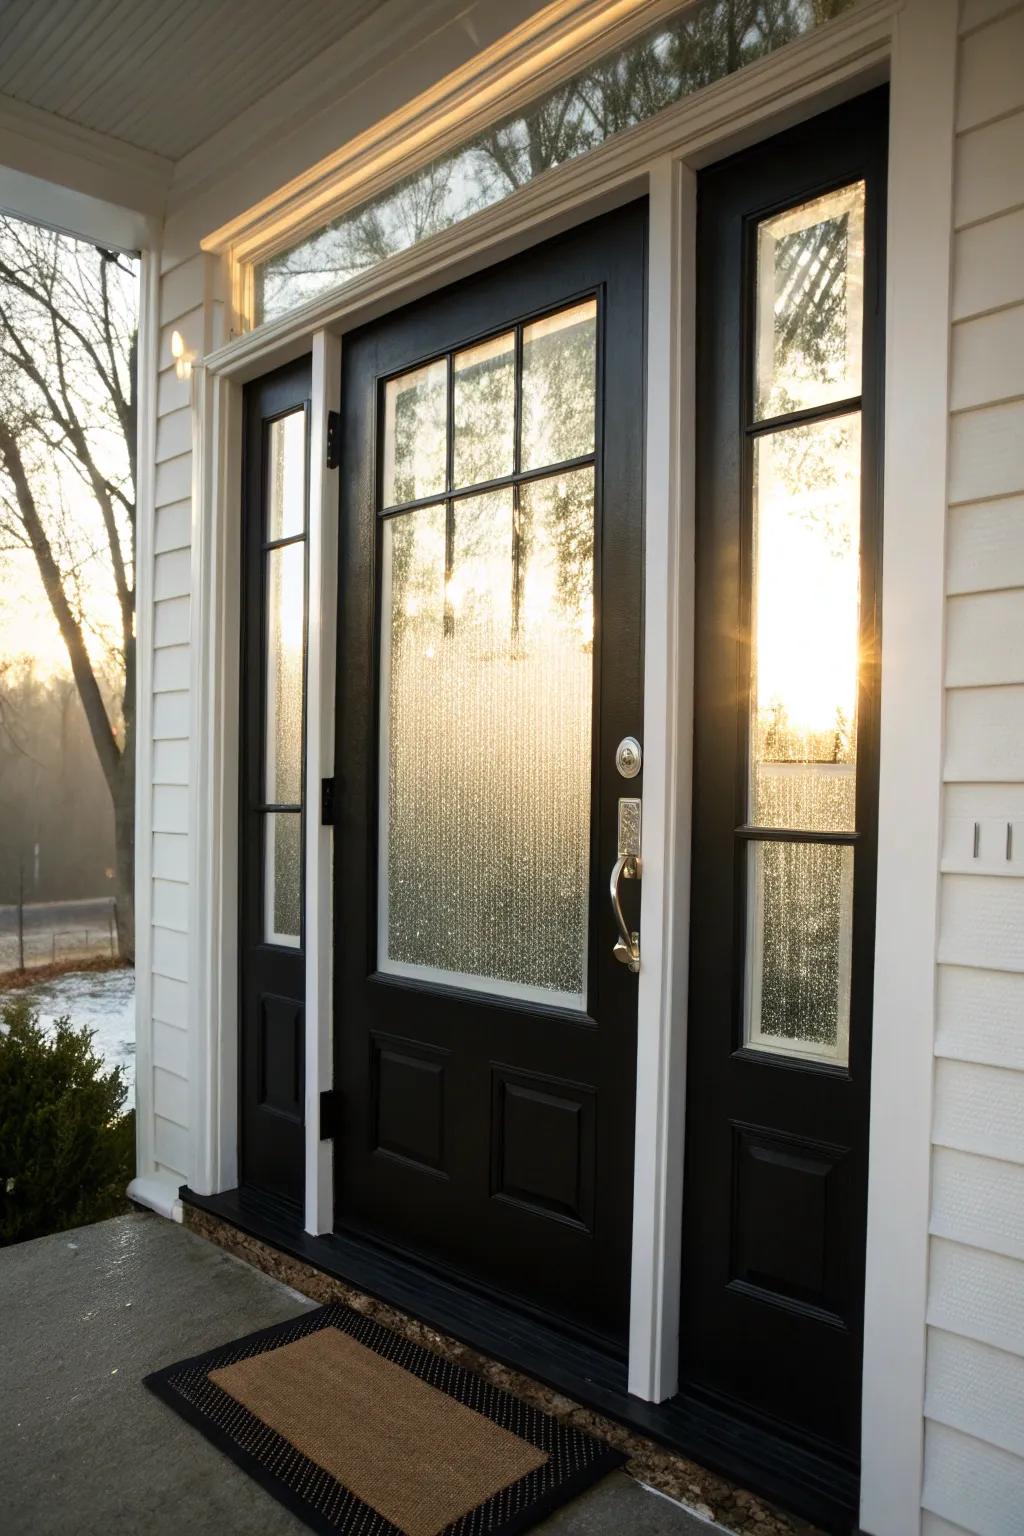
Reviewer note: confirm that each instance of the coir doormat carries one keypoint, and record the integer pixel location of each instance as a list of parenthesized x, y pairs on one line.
[(360, 1431)]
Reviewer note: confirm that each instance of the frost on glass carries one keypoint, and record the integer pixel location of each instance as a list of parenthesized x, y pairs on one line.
[(282, 877), (286, 627), (800, 920), (415, 434), (559, 372), (810, 303), (806, 624), (286, 476), (484, 428), (701, 44), (486, 728)]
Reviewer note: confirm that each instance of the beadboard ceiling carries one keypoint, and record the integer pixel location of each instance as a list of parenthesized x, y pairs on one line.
[(162, 75)]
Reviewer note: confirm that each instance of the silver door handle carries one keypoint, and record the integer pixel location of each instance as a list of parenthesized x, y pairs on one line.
[(627, 867), (627, 945)]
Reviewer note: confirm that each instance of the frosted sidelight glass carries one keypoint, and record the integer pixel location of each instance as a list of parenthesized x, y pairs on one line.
[(799, 927), (559, 372), (806, 625), (487, 679), (415, 434), (484, 432), (282, 877), (286, 476), (810, 303), (286, 628)]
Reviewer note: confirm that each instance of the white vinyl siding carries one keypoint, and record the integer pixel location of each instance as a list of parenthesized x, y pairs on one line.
[(974, 1404), (187, 305)]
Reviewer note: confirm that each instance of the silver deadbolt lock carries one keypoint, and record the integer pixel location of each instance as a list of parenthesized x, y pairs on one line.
[(628, 757)]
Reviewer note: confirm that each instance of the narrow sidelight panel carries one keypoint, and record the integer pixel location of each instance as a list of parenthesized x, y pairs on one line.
[(791, 241), (272, 761)]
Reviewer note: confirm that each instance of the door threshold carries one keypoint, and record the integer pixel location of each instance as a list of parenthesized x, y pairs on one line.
[(808, 1482)]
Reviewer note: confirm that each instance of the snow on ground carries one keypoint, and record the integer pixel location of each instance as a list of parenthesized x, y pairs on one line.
[(105, 1001)]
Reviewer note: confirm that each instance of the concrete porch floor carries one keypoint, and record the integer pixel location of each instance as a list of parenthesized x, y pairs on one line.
[(84, 1448)]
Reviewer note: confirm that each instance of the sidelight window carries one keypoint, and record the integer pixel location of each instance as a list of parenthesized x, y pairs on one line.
[(804, 438), (284, 639), (487, 639)]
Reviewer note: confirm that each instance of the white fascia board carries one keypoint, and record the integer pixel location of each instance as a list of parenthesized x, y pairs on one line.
[(41, 147), (75, 213)]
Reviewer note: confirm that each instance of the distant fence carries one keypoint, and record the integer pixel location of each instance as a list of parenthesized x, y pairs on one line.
[(57, 944)]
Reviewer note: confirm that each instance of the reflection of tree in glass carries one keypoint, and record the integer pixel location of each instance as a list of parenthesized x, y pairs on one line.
[(558, 390), (484, 416), (419, 445), (556, 531), (810, 331), (706, 42)]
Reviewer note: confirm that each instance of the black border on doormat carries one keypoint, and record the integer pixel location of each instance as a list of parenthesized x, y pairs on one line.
[(575, 1459)]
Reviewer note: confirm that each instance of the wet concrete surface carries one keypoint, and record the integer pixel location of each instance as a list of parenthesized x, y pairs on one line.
[(84, 1448)]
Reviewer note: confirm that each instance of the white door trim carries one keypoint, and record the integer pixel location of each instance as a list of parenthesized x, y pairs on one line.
[(668, 759), (844, 59), (918, 275), (321, 630)]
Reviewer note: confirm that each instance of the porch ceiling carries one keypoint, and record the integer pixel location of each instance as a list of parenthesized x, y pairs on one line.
[(161, 75)]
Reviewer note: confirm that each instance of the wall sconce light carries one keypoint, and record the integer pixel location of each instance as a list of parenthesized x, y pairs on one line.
[(182, 357)]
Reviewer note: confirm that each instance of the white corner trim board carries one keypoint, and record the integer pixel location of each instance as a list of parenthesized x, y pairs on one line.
[(918, 286)]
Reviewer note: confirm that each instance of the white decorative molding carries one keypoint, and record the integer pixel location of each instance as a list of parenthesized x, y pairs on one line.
[(818, 71), (373, 45), (521, 65)]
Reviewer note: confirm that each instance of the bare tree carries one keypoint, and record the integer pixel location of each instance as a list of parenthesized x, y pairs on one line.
[(67, 481)]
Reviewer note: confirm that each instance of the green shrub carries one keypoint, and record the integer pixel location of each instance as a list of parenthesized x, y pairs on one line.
[(67, 1149)]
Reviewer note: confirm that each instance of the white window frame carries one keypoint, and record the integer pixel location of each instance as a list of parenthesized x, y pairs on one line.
[(913, 42)]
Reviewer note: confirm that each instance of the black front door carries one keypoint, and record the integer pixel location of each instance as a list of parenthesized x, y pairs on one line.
[(785, 776), (490, 661)]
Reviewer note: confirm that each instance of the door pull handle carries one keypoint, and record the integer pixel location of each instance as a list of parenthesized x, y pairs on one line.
[(627, 867)]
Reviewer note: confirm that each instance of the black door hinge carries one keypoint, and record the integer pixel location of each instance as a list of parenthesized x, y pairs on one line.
[(330, 1114), (327, 802), (333, 438)]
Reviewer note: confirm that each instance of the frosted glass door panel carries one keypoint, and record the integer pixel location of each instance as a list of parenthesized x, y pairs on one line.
[(286, 630), (800, 920), (286, 477), (806, 627), (282, 878), (486, 701)]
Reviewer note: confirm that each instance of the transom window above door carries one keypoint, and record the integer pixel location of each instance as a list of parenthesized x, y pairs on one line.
[(487, 495), (702, 42)]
